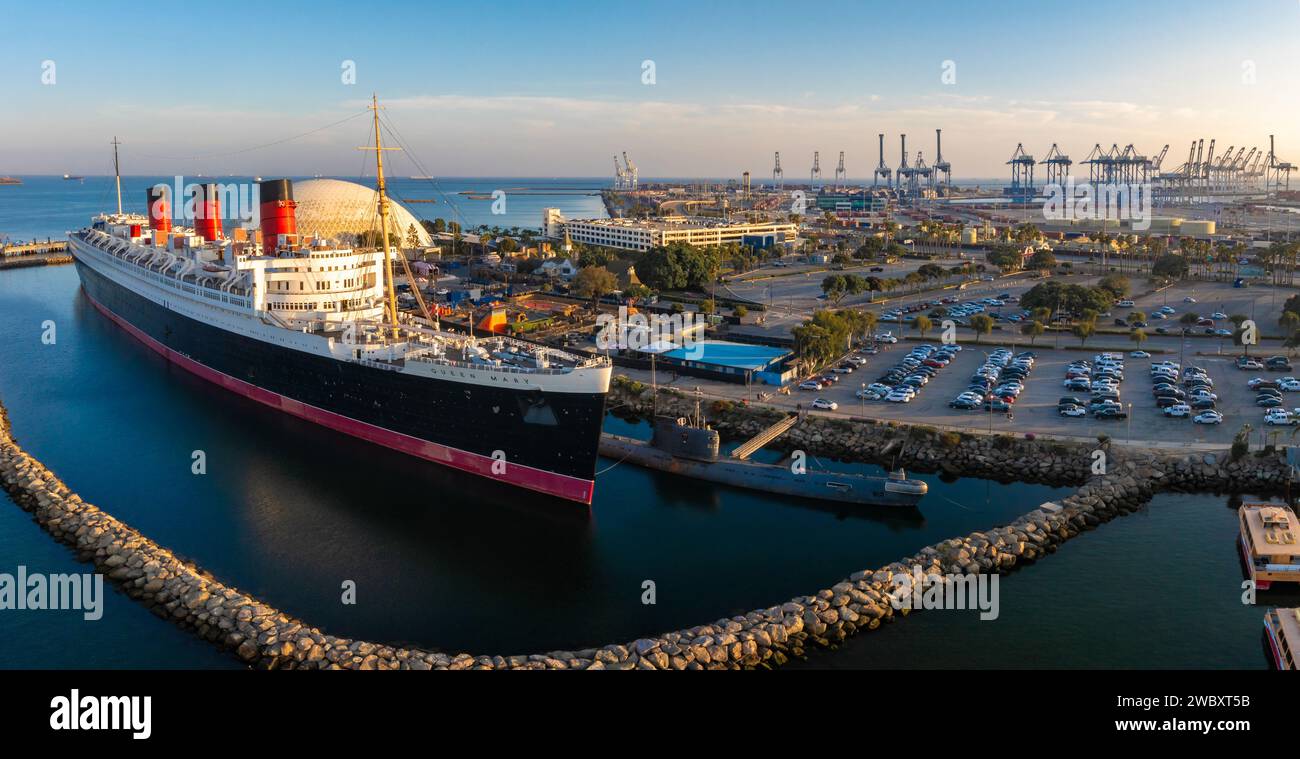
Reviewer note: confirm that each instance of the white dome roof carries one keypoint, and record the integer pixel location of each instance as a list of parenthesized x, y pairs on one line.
[(341, 210)]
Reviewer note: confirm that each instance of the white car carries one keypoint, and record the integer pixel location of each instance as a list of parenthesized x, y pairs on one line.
[(897, 397), (1179, 411), (1290, 385), (886, 338), (1139, 354), (822, 403), (1073, 411), (1125, 304), (810, 385), (1283, 418), (1208, 417), (1189, 299)]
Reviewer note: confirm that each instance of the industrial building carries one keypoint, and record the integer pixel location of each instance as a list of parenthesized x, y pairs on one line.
[(642, 235), (863, 201)]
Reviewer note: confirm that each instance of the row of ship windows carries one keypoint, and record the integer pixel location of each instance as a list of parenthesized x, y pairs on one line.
[(328, 305), (282, 285)]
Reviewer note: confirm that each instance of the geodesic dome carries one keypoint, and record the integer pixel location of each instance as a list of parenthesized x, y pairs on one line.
[(342, 210)]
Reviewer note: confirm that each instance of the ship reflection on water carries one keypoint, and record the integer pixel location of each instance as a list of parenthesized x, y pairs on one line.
[(289, 511)]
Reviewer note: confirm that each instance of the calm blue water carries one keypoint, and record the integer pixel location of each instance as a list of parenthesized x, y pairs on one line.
[(288, 512), (49, 206)]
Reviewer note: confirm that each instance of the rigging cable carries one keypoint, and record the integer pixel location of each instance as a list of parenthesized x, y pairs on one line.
[(254, 147)]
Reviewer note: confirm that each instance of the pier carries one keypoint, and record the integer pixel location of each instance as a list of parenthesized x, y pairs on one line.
[(48, 252)]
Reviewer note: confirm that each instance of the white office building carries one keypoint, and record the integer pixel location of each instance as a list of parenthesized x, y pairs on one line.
[(644, 234)]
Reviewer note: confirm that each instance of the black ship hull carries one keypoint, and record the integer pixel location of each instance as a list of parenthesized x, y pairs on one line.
[(542, 441)]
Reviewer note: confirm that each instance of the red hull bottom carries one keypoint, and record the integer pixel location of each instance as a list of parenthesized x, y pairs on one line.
[(550, 483)]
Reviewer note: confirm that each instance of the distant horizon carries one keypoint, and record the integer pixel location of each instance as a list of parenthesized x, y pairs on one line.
[(477, 178), (573, 83)]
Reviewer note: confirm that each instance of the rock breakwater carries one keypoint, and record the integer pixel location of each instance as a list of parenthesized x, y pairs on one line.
[(265, 637)]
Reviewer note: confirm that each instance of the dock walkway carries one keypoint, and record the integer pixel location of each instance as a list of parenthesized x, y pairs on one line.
[(748, 448)]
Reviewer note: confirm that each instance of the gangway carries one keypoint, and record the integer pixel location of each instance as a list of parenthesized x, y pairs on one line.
[(750, 447)]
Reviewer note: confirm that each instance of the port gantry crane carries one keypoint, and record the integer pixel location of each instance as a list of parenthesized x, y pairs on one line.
[(941, 168), (632, 180), (904, 172), (1022, 173), (841, 176), (1058, 166), (778, 176), (620, 176), (882, 171), (916, 174), (816, 175), (1278, 171)]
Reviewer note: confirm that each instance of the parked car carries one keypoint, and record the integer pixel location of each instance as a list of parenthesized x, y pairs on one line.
[(810, 385), (822, 403), (1179, 410), (1208, 417)]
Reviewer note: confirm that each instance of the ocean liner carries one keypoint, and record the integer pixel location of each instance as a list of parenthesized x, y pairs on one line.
[(312, 328)]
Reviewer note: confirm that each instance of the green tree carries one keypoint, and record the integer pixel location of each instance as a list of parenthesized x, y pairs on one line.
[(1084, 330), (923, 325), (1138, 337), (982, 324), (1116, 284), (1170, 266), (594, 282), (1042, 260), (1032, 330)]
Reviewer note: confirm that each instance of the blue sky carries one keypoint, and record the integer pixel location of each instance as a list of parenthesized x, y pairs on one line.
[(555, 88)]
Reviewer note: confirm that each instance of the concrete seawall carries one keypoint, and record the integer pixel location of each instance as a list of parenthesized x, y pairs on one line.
[(263, 636)]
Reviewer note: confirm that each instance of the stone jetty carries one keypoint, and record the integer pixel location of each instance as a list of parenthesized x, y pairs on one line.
[(264, 637)]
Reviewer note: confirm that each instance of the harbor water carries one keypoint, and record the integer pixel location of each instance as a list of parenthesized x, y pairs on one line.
[(290, 512)]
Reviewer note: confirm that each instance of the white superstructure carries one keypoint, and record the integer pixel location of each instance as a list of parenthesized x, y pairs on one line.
[(319, 299)]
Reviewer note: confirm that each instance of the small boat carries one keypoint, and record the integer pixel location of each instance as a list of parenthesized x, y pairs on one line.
[(1282, 626), (10, 180), (73, 178), (1268, 543)]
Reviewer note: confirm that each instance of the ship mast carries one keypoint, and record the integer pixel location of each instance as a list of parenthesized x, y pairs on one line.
[(117, 173), (391, 305)]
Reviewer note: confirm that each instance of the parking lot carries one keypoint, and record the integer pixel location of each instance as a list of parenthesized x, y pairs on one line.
[(1036, 408)]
